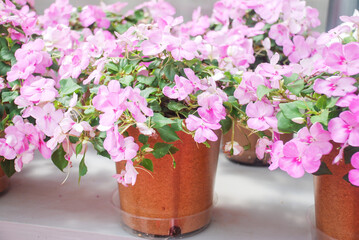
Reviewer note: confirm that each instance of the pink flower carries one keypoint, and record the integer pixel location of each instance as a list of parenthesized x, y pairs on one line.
[(344, 58), (260, 116), (58, 13), (6, 150), (158, 9), (127, 176), (118, 147), (247, 89), (47, 118), (94, 14), (73, 64), (354, 173), (262, 147), (211, 107), (181, 90), (197, 83), (30, 59), (335, 86), (58, 36), (156, 43), (181, 48), (203, 129), (198, 25), (280, 33), (298, 158), (296, 50), (276, 153), (237, 149), (316, 137), (39, 90), (345, 128)]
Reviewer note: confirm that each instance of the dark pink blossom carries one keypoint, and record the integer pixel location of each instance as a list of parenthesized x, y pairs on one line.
[(354, 173)]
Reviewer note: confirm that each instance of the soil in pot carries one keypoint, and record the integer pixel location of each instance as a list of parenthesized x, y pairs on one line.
[(172, 201), (336, 202)]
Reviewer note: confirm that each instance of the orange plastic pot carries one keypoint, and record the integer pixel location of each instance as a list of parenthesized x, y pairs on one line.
[(336, 202), (172, 201)]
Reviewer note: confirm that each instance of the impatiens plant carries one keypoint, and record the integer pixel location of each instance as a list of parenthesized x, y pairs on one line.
[(316, 99), (80, 77)]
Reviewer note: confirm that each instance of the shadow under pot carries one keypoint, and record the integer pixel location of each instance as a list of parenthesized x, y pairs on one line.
[(171, 201), (245, 137), (336, 202)]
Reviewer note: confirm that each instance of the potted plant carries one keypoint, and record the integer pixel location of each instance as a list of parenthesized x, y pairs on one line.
[(241, 35), (316, 99), (134, 88)]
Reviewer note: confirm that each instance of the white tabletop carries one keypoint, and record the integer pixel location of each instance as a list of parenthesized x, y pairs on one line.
[(253, 203)]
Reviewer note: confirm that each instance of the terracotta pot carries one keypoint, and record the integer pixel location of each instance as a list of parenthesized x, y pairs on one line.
[(243, 136), (173, 201), (4, 181), (336, 202)]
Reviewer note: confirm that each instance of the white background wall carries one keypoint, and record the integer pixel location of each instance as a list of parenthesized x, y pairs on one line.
[(185, 7)]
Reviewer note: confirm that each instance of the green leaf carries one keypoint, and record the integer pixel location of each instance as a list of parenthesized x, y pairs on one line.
[(296, 87), (161, 149), (97, 143), (9, 96), (168, 134), (159, 120), (154, 64), (170, 72), (226, 124), (68, 86), (332, 101), (262, 91), (82, 168), (323, 170), (322, 117), (73, 139), (4, 68), (286, 125), (290, 79), (322, 102), (78, 148), (146, 80), (148, 91), (8, 167), (290, 110), (90, 110), (58, 158), (176, 106), (177, 126), (143, 139), (173, 150), (126, 80), (111, 66), (147, 163), (304, 105)]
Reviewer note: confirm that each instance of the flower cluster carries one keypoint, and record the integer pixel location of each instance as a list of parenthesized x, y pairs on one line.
[(314, 97), (90, 75)]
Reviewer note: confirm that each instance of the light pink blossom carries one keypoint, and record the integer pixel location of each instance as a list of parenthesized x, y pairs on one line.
[(344, 58), (261, 116), (354, 173), (203, 129), (335, 86)]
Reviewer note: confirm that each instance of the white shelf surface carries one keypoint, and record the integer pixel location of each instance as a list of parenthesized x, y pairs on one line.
[(253, 203)]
